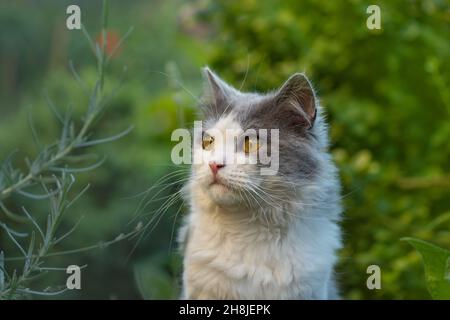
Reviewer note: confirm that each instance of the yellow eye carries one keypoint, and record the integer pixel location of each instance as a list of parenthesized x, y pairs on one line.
[(207, 142), (251, 144)]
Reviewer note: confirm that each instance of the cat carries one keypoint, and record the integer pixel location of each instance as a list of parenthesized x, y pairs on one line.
[(254, 236)]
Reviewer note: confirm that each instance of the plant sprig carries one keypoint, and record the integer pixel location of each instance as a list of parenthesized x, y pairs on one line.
[(47, 161), (52, 171)]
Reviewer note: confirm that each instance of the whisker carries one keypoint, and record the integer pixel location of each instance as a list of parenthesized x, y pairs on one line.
[(178, 83)]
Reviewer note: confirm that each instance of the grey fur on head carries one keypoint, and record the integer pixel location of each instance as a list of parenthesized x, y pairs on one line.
[(291, 109)]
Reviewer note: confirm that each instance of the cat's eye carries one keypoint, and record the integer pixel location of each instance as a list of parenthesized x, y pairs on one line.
[(251, 144), (207, 142)]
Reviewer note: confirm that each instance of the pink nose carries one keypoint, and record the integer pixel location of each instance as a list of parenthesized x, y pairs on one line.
[(215, 167)]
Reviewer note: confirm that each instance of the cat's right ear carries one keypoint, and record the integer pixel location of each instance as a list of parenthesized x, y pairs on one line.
[(297, 95), (217, 93)]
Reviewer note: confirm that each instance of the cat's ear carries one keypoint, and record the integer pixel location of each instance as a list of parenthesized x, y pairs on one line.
[(217, 93), (298, 95)]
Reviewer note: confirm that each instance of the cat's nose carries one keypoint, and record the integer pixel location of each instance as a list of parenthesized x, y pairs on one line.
[(215, 166)]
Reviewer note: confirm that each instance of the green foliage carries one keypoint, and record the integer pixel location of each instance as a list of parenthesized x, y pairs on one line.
[(385, 94), (437, 267), (52, 170), (158, 277), (15, 285)]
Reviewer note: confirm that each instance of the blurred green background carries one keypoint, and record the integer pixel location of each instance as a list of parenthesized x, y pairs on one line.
[(385, 92)]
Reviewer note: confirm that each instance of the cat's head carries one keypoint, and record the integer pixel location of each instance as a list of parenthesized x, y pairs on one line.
[(233, 142)]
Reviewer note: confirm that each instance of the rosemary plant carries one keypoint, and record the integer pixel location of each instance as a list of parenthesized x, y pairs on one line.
[(52, 171)]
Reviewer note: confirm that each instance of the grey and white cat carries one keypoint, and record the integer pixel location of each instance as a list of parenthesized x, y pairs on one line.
[(253, 236)]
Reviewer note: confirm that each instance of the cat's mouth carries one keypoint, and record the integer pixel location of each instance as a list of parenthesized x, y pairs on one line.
[(219, 186), (218, 182)]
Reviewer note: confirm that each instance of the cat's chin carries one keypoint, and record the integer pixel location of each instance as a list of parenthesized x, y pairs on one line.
[(222, 194), (219, 187)]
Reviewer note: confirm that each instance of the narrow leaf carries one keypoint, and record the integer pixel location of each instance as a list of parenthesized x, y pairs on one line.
[(105, 140)]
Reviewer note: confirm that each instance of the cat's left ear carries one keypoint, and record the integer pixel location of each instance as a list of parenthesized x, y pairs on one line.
[(298, 95), (217, 91)]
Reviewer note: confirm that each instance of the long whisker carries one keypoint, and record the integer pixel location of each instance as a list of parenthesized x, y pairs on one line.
[(241, 86), (158, 214), (173, 226), (144, 202), (183, 179), (168, 202), (178, 83)]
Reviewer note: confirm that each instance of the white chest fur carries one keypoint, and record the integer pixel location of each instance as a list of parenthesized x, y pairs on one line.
[(229, 256)]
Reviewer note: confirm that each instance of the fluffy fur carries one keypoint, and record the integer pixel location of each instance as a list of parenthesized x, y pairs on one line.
[(263, 237)]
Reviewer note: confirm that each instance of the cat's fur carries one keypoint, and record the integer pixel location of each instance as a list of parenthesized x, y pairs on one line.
[(279, 243)]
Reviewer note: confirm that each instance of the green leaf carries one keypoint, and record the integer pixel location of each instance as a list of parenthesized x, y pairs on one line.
[(437, 267)]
